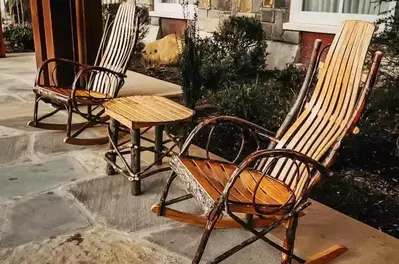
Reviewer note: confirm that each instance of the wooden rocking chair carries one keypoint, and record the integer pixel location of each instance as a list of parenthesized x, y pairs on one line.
[(270, 187), (92, 85)]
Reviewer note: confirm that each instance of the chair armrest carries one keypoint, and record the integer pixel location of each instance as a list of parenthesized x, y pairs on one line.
[(95, 69), (255, 130), (306, 167), (57, 60)]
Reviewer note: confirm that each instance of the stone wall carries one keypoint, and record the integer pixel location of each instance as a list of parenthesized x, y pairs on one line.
[(272, 14), (282, 44)]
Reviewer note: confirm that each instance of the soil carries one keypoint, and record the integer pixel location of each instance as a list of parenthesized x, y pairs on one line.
[(366, 195), (165, 73)]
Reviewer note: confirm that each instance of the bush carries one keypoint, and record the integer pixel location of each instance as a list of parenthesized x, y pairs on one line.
[(190, 65), (264, 101), (19, 38), (235, 51)]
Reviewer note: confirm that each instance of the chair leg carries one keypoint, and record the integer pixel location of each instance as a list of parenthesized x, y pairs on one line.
[(69, 122), (289, 240), (36, 110), (158, 144), (165, 192), (114, 129), (210, 224)]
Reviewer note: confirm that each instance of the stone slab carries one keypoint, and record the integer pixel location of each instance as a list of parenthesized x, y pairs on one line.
[(139, 84), (43, 216), (3, 215), (51, 142), (14, 149), (281, 54), (185, 239), (95, 247), (22, 109), (7, 99), (110, 200), (29, 179)]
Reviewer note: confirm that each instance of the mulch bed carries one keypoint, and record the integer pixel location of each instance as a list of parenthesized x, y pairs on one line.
[(363, 195), (166, 73)]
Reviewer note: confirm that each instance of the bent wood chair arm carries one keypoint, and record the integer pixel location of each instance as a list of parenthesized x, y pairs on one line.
[(308, 172), (256, 131), (57, 60), (83, 77), (296, 108)]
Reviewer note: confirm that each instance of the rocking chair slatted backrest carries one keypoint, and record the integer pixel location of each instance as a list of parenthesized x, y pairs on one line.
[(116, 48), (327, 116)]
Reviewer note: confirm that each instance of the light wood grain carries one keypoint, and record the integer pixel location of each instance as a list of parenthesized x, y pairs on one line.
[(142, 111), (213, 176)]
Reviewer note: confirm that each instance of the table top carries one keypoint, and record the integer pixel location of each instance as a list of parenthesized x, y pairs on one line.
[(143, 111)]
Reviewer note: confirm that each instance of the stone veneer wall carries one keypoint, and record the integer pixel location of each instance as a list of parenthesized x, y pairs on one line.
[(283, 45), (272, 14)]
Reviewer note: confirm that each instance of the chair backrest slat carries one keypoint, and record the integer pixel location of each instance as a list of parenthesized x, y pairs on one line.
[(327, 114), (118, 45)]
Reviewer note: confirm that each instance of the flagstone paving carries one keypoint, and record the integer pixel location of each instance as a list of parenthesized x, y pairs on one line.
[(57, 205)]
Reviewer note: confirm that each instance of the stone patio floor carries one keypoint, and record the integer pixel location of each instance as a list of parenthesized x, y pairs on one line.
[(57, 205)]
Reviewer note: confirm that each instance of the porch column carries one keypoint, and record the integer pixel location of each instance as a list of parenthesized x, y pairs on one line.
[(66, 29)]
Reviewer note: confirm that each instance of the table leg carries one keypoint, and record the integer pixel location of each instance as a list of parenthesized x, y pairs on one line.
[(135, 159), (158, 144), (114, 128)]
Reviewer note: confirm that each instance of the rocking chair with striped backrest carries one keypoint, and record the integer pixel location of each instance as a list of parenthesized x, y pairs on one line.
[(92, 85), (270, 187)]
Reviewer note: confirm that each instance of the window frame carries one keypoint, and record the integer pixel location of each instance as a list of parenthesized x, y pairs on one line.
[(172, 10), (297, 15)]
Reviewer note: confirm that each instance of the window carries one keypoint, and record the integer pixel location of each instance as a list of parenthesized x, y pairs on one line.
[(326, 15), (173, 9)]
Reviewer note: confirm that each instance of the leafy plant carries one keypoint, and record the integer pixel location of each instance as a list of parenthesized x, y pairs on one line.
[(264, 101), (191, 64), (235, 51), (19, 38)]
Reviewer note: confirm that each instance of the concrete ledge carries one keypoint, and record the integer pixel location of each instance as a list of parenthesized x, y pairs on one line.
[(140, 84)]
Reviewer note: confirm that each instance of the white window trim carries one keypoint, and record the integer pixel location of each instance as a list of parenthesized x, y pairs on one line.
[(169, 10), (323, 22)]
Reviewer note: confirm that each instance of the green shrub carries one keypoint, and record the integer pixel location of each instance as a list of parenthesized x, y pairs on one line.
[(19, 38), (191, 64), (264, 101), (235, 51)]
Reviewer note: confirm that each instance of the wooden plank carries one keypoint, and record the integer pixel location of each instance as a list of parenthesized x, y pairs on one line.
[(327, 112), (327, 255), (200, 220), (147, 110)]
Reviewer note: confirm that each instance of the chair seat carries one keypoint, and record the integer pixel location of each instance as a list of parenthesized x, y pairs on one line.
[(206, 180), (63, 95)]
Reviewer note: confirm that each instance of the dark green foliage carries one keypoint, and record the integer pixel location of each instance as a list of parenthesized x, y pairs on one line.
[(264, 101), (19, 38), (236, 50), (190, 66)]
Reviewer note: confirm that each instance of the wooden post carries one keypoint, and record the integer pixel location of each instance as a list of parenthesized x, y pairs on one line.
[(88, 29), (2, 43), (69, 29)]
